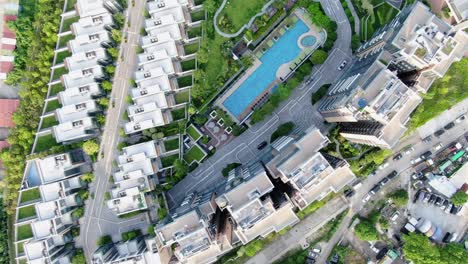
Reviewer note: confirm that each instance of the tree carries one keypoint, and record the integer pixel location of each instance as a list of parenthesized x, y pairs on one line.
[(116, 35), (119, 19), (90, 147), (459, 198), (319, 56), (78, 213), (399, 197), (113, 52), (209, 6), (366, 230), (87, 177), (79, 257), (180, 168), (419, 249), (104, 240), (104, 102), (110, 69)]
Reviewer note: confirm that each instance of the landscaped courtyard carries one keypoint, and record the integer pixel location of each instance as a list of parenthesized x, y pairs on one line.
[(231, 19)]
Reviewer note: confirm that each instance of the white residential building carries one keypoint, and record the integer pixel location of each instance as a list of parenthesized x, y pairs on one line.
[(140, 250)]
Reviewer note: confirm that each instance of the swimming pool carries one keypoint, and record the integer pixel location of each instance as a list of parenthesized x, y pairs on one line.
[(308, 41), (285, 49)]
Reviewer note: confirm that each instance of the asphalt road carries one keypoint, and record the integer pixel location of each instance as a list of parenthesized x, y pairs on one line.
[(297, 109), (98, 219)]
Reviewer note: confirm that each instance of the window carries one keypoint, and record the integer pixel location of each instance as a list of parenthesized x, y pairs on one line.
[(91, 54), (97, 19), (126, 177), (143, 92), (157, 22), (80, 106), (161, 5), (94, 37), (147, 74), (136, 126), (88, 72), (83, 89), (77, 123), (139, 110), (150, 57), (154, 40)]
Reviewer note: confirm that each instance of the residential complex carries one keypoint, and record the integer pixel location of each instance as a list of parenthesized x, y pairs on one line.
[(48, 197), (140, 250), (158, 65), (459, 9), (373, 100)]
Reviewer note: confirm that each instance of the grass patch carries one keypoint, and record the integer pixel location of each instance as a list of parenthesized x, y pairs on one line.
[(49, 122), (193, 133), (58, 72), (444, 94), (70, 5), (237, 13), (191, 48), (229, 168), (320, 93), (24, 232), (25, 212), (129, 215), (66, 26), (52, 105), (20, 248), (64, 40), (45, 143), (56, 88), (30, 195), (314, 206), (194, 154), (178, 114), (188, 65), (182, 97), (61, 56), (194, 32), (198, 15), (283, 130), (171, 144), (169, 160), (126, 236), (184, 81)]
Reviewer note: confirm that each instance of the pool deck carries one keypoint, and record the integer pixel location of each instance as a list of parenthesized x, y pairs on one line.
[(283, 71)]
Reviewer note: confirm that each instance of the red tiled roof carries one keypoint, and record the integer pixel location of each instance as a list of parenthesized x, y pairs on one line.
[(4, 144), (7, 108), (6, 66), (9, 17), (8, 47)]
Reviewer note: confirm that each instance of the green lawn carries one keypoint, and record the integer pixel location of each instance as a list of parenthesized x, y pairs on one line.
[(184, 81), (45, 143), (49, 122), (191, 48), (444, 93), (52, 105), (237, 13), (182, 97), (26, 212), (194, 154), (169, 160), (30, 195), (194, 32), (378, 16), (199, 2), (56, 88), (178, 114), (70, 5), (20, 248), (24, 232), (58, 72), (67, 23), (171, 144), (61, 56), (187, 65), (198, 15), (64, 40), (193, 133)]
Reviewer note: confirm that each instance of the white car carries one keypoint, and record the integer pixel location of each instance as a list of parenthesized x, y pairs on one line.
[(384, 165), (437, 147), (366, 198), (416, 160), (460, 119), (409, 150), (342, 65)]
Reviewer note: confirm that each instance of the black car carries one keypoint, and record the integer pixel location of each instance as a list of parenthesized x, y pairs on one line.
[(262, 145), (446, 238), (397, 156), (432, 198), (392, 175), (449, 125), (349, 192), (384, 181), (455, 209), (438, 201), (439, 133), (426, 155), (375, 189), (427, 139)]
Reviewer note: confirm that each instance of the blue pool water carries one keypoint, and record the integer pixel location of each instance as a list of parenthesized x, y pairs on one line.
[(32, 176), (284, 50), (308, 41)]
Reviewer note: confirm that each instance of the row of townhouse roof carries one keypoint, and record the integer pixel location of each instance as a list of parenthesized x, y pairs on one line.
[(85, 71), (256, 200), (373, 100), (50, 188), (157, 65)]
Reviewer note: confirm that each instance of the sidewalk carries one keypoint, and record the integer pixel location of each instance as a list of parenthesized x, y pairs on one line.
[(295, 237)]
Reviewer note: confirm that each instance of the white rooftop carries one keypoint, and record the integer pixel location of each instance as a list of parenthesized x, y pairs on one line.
[(82, 76), (78, 94), (86, 59), (87, 42), (77, 111), (92, 24), (73, 130)]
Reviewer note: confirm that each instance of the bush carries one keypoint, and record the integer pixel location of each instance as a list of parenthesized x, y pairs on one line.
[(229, 168), (399, 197), (459, 198), (319, 57), (253, 247), (320, 93), (90, 147), (282, 130), (126, 236), (366, 230), (104, 240)]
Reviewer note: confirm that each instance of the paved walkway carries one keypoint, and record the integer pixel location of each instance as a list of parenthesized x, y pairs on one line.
[(357, 22), (295, 237), (233, 35)]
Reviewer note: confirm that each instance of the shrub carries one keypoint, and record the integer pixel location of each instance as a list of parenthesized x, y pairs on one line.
[(366, 230), (229, 168), (282, 130), (126, 236), (104, 240)]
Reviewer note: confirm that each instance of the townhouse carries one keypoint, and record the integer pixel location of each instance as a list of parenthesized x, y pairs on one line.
[(140, 250), (50, 191), (373, 100)]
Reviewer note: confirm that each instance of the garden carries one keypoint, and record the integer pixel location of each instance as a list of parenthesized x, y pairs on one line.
[(373, 14), (231, 20)]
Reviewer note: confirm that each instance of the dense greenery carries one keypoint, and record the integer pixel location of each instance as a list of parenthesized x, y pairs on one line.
[(443, 94), (129, 235), (373, 14), (79, 257), (459, 198), (320, 93), (399, 197), (314, 206), (283, 130), (419, 249), (36, 35), (3, 235), (229, 168), (104, 240), (365, 229), (318, 57), (231, 19)]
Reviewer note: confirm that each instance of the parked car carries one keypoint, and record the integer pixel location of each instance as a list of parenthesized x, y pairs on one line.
[(439, 133), (460, 119), (438, 201), (384, 181), (415, 160), (342, 65), (416, 176), (456, 209), (392, 175), (349, 192), (366, 198), (426, 155), (375, 189), (437, 146), (397, 156), (420, 195), (262, 145), (384, 165), (448, 208), (446, 238), (427, 139), (433, 198), (449, 126), (444, 204), (427, 198)]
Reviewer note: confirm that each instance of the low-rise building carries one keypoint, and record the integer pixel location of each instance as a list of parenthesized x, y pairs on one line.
[(140, 250), (458, 9)]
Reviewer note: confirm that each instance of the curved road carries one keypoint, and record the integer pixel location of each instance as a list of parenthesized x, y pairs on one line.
[(243, 148)]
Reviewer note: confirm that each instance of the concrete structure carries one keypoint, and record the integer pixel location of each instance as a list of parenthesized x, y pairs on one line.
[(459, 9), (153, 94), (131, 180), (311, 173), (140, 250), (57, 181), (374, 99)]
